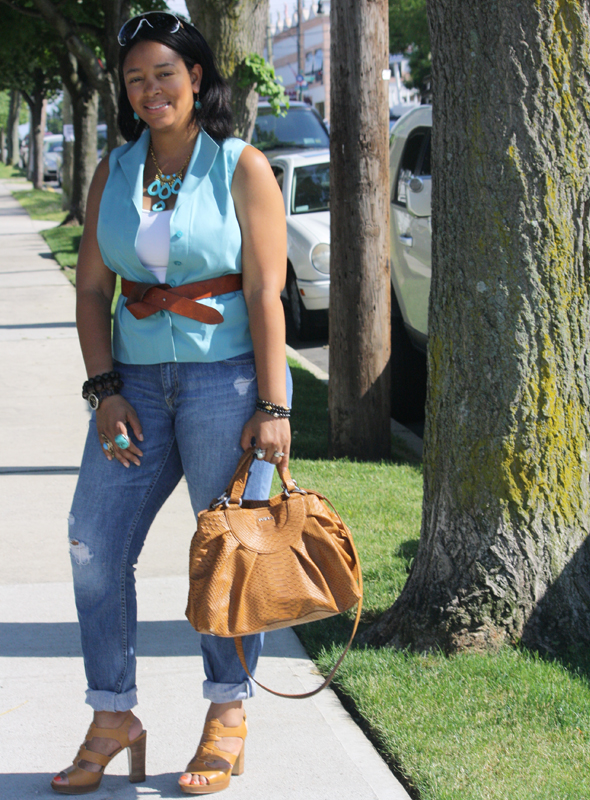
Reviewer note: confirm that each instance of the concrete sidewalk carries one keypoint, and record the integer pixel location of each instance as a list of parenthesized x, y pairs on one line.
[(296, 749)]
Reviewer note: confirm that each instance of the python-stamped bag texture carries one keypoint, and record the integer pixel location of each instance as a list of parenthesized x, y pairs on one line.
[(261, 565)]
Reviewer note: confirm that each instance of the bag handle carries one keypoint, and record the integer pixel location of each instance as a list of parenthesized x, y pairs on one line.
[(240, 646), (237, 485)]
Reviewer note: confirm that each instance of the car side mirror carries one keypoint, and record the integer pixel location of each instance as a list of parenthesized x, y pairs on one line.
[(418, 195)]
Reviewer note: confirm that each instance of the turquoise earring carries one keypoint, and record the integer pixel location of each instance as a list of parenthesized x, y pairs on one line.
[(198, 104), (135, 116)]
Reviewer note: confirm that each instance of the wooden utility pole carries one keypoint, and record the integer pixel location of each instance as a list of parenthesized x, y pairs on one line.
[(300, 45), (359, 210)]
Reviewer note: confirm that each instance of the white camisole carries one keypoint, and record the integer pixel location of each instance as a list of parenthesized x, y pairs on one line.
[(153, 242)]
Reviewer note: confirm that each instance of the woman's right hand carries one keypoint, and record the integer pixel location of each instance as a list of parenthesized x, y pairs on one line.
[(112, 417)]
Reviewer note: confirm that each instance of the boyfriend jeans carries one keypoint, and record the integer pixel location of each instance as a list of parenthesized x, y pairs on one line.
[(192, 415)]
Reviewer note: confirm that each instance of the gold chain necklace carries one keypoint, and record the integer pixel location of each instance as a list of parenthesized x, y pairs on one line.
[(165, 185)]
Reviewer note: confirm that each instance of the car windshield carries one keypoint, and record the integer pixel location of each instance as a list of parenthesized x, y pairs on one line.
[(55, 147), (311, 189), (300, 128)]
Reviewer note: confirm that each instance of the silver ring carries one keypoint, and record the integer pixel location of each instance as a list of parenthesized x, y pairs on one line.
[(278, 454), (259, 453)]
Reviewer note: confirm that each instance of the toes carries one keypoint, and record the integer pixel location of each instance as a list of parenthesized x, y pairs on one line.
[(192, 779)]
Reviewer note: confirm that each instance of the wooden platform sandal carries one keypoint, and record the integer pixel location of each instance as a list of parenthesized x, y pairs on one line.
[(82, 781), (207, 752)]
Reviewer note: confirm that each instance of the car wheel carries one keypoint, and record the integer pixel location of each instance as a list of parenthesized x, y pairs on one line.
[(408, 374), (302, 319)]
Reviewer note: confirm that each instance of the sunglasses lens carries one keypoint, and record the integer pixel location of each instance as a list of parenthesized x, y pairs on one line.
[(158, 20)]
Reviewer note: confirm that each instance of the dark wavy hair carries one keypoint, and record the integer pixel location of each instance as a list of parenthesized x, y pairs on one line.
[(215, 115)]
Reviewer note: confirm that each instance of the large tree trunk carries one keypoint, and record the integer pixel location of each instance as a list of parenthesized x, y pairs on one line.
[(38, 108), (12, 143), (67, 167), (359, 210), (233, 29), (503, 553), (85, 108), (84, 100)]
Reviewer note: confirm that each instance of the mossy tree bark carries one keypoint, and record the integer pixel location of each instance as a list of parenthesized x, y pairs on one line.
[(360, 342), (233, 29), (503, 553)]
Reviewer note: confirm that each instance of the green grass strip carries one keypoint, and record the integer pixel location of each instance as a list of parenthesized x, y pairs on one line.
[(497, 726), (42, 204), (12, 173)]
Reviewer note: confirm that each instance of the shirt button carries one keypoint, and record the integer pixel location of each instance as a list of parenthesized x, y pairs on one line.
[(178, 234), (178, 263)]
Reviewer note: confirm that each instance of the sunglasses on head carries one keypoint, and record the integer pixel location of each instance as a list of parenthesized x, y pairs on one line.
[(158, 20)]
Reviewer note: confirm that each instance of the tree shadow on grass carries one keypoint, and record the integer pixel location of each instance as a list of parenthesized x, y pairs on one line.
[(310, 424)]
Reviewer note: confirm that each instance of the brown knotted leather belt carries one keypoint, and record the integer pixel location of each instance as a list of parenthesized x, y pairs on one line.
[(145, 299)]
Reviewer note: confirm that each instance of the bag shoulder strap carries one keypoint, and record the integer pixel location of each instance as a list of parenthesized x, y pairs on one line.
[(240, 648), (238, 639)]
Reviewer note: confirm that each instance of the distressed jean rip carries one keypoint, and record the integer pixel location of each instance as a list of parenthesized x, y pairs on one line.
[(80, 552), (241, 384)]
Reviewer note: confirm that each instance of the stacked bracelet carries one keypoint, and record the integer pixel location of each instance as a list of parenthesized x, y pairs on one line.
[(272, 408), (96, 389)]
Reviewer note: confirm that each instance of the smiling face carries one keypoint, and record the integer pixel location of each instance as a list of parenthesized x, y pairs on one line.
[(160, 88)]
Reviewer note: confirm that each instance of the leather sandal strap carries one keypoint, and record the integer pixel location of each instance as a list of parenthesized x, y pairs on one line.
[(205, 755), (120, 734), (92, 757)]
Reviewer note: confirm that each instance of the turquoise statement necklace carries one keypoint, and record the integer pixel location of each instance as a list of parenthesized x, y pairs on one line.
[(163, 186)]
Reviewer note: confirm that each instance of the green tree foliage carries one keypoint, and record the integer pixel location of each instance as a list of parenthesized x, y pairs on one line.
[(408, 28), (256, 72)]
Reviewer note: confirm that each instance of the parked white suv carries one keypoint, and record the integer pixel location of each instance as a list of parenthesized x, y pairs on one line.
[(411, 230)]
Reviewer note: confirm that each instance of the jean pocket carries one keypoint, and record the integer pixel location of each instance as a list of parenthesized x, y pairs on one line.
[(244, 359)]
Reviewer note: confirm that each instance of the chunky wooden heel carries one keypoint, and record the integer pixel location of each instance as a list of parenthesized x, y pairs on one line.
[(208, 752), (238, 767), (82, 781), (136, 754)]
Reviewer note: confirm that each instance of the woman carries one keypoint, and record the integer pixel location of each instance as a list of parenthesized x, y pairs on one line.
[(176, 391)]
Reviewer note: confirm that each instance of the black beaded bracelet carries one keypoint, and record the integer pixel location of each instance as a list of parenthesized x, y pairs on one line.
[(96, 389), (273, 409)]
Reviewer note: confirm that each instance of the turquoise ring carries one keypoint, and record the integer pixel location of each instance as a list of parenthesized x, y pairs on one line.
[(122, 441)]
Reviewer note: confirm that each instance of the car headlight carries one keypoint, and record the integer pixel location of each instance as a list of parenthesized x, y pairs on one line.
[(320, 258)]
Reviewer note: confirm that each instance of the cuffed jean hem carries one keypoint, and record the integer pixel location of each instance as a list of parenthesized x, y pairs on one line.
[(228, 692), (111, 701)]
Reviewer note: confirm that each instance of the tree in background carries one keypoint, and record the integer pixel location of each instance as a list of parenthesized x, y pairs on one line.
[(26, 47), (89, 32), (408, 28), (84, 103), (234, 29), (10, 120), (360, 287), (504, 551)]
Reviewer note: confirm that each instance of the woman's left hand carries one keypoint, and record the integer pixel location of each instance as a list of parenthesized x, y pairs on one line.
[(271, 435)]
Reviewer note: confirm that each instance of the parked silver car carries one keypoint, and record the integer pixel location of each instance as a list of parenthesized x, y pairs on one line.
[(411, 231), (53, 146), (304, 179)]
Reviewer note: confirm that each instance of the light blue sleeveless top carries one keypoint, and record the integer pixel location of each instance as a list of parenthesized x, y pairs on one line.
[(205, 242)]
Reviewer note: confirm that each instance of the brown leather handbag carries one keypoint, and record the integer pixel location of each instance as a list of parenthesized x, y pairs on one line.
[(259, 565)]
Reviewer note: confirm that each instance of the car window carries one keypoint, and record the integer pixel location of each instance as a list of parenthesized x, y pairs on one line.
[(311, 189), (415, 161), (279, 174), (300, 128)]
